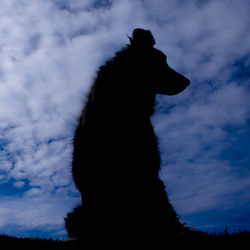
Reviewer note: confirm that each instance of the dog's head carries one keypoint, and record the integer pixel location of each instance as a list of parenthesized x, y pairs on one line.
[(150, 65)]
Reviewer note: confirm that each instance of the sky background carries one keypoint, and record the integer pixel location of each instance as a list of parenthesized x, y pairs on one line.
[(50, 51)]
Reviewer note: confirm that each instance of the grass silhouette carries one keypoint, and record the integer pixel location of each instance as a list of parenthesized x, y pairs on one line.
[(191, 238)]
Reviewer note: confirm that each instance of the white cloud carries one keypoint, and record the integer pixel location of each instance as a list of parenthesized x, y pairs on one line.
[(34, 212), (19, 184), (192, 139), (201, 39)]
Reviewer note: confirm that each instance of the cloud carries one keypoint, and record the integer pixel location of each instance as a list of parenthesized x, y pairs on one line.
[(209, 34), (205, 42), (34, 211), (193, 137), (50, 51), (19, 184)]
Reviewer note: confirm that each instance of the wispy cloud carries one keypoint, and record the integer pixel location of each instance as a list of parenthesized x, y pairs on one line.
[(195, 132)]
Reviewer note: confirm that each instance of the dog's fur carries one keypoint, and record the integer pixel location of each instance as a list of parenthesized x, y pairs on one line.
[(116, 159)]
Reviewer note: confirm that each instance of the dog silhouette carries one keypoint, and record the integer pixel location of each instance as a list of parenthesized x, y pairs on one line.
[(116, 160)]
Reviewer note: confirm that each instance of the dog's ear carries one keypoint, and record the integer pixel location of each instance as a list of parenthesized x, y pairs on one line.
[(130, 39), (142, 39)]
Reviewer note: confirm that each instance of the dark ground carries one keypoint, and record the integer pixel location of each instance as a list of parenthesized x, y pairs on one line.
[(191, 239)]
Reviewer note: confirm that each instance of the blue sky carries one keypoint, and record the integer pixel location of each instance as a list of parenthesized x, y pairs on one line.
[(50, 52)]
